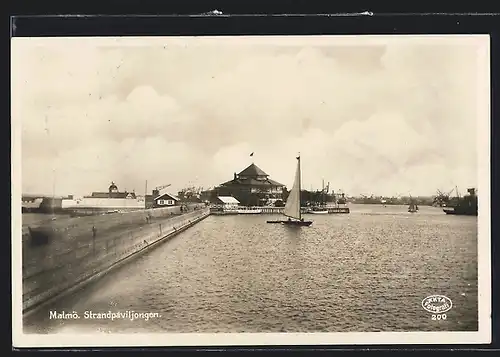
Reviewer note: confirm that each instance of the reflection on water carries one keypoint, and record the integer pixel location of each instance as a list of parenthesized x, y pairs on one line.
[(365, 271)]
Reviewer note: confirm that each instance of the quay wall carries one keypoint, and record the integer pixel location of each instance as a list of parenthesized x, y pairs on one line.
[(74, 255), (74, 225), (110, 203)]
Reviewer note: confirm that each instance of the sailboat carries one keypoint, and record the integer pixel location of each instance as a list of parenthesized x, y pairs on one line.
[(413, 206), (292, 207)]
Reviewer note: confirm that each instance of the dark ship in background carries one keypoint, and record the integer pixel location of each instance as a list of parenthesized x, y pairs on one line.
[(413, 207), (462, 205)]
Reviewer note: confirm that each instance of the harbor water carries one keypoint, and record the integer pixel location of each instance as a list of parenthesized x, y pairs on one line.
[(364, 271)]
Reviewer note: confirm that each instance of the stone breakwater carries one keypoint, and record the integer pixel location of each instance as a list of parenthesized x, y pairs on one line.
[(74, 251)]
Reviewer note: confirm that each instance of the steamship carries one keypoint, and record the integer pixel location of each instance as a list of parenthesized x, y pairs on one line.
[(463, 206)]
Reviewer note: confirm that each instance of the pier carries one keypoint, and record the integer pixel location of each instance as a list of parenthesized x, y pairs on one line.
[(64, 255), (278, 210)]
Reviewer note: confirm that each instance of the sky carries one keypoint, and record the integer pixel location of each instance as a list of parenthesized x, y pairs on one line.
[(385, 116)]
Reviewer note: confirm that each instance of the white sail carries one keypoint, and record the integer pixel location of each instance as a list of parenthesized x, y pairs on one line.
[(292, 206)]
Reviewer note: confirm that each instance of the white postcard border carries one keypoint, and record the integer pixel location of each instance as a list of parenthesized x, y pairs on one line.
[(483, 335)]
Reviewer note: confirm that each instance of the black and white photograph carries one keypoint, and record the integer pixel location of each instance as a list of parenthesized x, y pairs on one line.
[(251, 190)]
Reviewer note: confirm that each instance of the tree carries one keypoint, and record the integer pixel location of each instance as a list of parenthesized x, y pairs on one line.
[(190, 194), (285, 194), (279, 203)]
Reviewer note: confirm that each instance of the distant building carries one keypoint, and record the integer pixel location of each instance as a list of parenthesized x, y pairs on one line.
[(97, 202), (149, 201), (31, 203), (208, 196), (251, 187), (41, 204), (51, 204), (112, 193), (165, 200)]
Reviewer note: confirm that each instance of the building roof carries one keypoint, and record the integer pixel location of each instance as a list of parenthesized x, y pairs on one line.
[(29, 196), (253, 182), (252, 171), (228, 199), (112, 195), (175, 198)]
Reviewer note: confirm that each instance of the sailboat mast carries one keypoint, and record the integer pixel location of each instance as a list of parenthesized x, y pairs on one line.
[(300, 189)]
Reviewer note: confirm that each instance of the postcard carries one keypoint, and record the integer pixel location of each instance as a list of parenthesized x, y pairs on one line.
[(251, 190)]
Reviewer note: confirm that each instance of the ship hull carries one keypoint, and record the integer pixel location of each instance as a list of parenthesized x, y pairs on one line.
[(460, 212), (292, 223)]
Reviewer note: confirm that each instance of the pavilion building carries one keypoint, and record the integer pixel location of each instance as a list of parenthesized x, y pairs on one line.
[(251, 187)]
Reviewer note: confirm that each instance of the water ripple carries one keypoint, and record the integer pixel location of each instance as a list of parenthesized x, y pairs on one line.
[(356, 272)]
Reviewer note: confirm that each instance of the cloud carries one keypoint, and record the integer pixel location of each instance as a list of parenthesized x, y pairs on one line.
[(382, 118)]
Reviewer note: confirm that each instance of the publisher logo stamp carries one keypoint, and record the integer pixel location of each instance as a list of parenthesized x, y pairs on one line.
[(437, 305)]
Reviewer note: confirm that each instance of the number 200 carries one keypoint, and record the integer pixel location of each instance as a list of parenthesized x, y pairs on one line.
[(438, 317)]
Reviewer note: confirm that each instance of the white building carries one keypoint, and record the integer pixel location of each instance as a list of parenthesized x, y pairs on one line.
[(166, 199), (228, 202)]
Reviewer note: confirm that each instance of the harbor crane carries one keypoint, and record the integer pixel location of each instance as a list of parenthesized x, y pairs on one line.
[(442, 198), (159, 188)]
